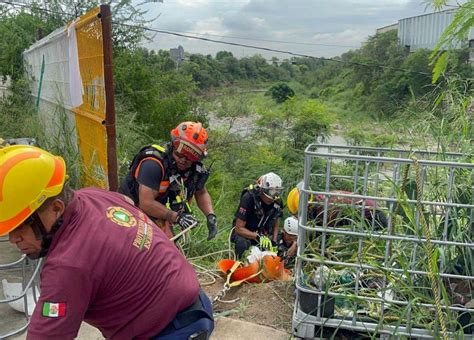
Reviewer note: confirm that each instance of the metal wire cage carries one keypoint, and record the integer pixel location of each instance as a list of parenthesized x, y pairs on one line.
[(27, 272), (385, 243)]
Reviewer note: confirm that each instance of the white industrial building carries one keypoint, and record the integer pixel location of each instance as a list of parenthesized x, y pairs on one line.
[(424, 31)]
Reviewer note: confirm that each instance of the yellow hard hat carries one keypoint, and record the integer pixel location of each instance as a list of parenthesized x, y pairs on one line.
[(293, 200), (28, 176)]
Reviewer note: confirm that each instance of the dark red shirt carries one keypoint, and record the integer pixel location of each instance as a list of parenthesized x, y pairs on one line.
[(110, 266)]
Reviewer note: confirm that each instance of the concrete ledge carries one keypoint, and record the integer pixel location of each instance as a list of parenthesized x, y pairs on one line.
[(86, 332), (232, 329), (226, 329)]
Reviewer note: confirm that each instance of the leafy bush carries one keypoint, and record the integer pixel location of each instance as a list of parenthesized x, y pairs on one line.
[(310, 121), (148, 86), (281, 92)]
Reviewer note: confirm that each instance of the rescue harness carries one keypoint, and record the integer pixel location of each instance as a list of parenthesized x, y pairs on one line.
[(176, 189), (265, 220)]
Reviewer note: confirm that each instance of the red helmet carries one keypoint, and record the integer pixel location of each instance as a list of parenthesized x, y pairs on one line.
[(190, 140)]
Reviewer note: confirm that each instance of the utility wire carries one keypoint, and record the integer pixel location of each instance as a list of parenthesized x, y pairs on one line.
[(196, 33), (265, 40), (23, 5), (375, 65), (272, 49)]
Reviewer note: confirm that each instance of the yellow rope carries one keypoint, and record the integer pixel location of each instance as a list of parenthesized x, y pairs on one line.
[(430, 251), (236, 283)]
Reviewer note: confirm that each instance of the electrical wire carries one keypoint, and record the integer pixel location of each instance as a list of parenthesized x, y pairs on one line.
[(238, 44), (272, 49), (374, 64), (23, 5), (206, 34), (265, 40)]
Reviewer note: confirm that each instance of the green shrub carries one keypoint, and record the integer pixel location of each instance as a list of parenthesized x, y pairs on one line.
[(281, 92)]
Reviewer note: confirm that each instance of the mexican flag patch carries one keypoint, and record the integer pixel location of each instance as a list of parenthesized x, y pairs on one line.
[(54, 310)]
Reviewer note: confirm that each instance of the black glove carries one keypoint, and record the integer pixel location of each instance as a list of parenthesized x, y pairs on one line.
[(211, 226), (186, 220)]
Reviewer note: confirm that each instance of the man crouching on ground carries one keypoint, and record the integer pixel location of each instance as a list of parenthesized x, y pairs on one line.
[(105, 263)]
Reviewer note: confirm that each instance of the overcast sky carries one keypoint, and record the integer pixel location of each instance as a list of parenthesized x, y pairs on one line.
[(300, 26)]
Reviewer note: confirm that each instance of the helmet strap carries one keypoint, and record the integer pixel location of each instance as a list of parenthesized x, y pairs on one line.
[(38, 226), (48, 238), (272, 198), (41, 233)]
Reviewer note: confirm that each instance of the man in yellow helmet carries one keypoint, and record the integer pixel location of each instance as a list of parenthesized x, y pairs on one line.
[(336, 214), (106, 262)]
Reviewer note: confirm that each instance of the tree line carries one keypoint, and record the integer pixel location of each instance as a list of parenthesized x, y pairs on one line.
[(380, 77)]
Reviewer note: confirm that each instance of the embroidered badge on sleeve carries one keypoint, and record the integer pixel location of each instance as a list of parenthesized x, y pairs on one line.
[(121, 216), (54, 309)]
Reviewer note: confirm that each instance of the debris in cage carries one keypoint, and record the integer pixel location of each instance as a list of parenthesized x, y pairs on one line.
[(343, 209)]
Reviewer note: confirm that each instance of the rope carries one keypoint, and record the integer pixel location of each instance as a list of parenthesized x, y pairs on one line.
[(183, 232), (205, 271), (206, 283), (207, 255), (231, 252), (228, 285), (430, 251)]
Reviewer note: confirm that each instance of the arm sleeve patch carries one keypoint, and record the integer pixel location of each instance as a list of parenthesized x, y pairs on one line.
[(65, 296), (245, 207)]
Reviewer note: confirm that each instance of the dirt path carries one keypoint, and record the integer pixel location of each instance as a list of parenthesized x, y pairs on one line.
[(269, 304)]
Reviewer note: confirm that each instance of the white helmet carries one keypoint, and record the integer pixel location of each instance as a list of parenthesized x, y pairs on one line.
[(271, 185), (291, 225), (270, 181)]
